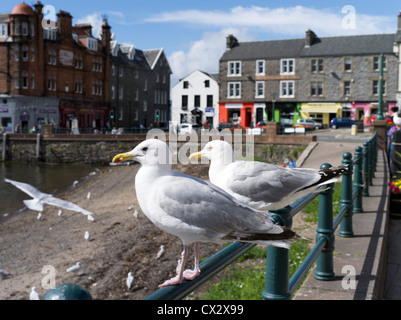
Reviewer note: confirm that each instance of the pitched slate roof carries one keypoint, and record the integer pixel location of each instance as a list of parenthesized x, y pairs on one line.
[(325, 46)]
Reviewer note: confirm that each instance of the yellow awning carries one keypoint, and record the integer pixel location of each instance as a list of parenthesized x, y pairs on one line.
[(321, 107)]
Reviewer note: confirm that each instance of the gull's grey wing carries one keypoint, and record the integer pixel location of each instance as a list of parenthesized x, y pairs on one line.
[(27, 188), (266, 182), (206, 206), (65, 205)]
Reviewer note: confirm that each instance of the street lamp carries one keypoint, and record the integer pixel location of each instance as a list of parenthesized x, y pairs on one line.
[(380, 111)]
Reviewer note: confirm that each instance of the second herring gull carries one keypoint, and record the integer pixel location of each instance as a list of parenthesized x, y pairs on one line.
[(194, 210)]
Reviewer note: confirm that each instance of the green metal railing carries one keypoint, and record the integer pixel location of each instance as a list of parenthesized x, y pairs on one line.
[(278, 286)]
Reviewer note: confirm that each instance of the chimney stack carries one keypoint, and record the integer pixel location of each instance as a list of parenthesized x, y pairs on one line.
[(64, 21), (310, 37), (231, 42), (399, 21)]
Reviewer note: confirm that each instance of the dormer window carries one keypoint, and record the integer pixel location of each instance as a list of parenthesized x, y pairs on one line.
[(92, 44), (50, 34)]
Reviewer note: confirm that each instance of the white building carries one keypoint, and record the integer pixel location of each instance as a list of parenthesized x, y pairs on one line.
[(195, 99)]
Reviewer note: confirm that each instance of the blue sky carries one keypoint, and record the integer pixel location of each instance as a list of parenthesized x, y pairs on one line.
[(193, 33)]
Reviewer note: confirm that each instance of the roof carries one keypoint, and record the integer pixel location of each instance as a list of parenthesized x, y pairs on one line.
[(152, 56), (325, 46), (23, 8), (4, 17)]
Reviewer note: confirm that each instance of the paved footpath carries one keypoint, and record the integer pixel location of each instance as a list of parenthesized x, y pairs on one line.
[(365, 253)]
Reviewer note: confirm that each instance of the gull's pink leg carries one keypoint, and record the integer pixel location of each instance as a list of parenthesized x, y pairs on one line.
[(192, 274), (178, 278)]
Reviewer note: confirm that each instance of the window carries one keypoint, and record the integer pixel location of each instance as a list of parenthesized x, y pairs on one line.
[(185, 85), (260, 67), (97, 64), (316, 88), (17, 52), (92, 44), (121, 94), (347, 64), (16, 80), (3, 30), (136, 94), (24, 80), (16, 29), (50, 34), (287, 66), (52, 83), (113, 92), (32, 54), (197, 101), (316, 65), (184, 102), (78, 62), (207, 83), (260, 89), (121, 72), (146, 85), (376, 63), (234, 68), (136, 114), (75, 37), (113, 70), (52, 57), (32, 29), (33, 81), (347, 88), (157, 78), (24, 53), (78, 86), (375, 87), (287, 89), (209, 101), (234, 90), (145, 106), (24, 28), (120, 114)]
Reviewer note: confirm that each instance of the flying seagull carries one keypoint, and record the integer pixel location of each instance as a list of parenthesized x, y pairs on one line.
[(74, 268), (195, 210), (262, 186), (40, 198)]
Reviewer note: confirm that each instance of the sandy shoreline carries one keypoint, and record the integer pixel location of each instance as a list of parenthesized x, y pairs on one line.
[(119, 243)]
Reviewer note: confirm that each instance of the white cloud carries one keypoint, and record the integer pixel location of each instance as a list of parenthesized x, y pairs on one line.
[(280, 21), (203, 54)]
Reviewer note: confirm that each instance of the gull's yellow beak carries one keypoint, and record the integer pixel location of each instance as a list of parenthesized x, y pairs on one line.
[(196, 155), (122, 157)]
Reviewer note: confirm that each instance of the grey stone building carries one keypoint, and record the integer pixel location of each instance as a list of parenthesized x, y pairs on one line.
[(139, 87), (312, 77)]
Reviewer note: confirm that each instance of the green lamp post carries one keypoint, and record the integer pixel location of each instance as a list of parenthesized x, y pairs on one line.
[(380, 111)]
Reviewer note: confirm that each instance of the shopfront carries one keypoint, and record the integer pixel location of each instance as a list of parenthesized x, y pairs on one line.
[(365, 110), (244, 114), (321, 112)]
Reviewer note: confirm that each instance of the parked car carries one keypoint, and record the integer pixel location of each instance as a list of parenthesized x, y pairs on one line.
[(261, 124), (341, 122), (188, 128), (228, 125), (309, 124)]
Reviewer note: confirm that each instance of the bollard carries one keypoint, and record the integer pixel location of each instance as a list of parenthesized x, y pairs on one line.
[(358, 180), (365, 149), (371, 157), (346, 198), (324, 267), (277, 262)]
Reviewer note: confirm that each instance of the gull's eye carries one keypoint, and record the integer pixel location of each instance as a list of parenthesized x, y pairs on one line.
[(209, 149), (144, 149)]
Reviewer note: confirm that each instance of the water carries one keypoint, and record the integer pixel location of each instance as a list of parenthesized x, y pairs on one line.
[(46, 178)]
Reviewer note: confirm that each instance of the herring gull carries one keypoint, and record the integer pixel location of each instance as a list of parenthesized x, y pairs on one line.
[(194, 210), (160, 252), (74, 268), (262, 186), (34, 295), (130, 280), (40, 198)]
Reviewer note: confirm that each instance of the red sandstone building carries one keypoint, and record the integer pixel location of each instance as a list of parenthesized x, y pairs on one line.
[(52, 71)]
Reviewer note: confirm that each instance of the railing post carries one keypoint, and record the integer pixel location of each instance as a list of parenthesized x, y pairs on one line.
[(277, 263), (324, 267), (346, 230), (371, 159), (358, 180), (365, 192)]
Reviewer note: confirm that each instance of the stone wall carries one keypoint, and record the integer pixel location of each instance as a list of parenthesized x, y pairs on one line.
[(100, 149)]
